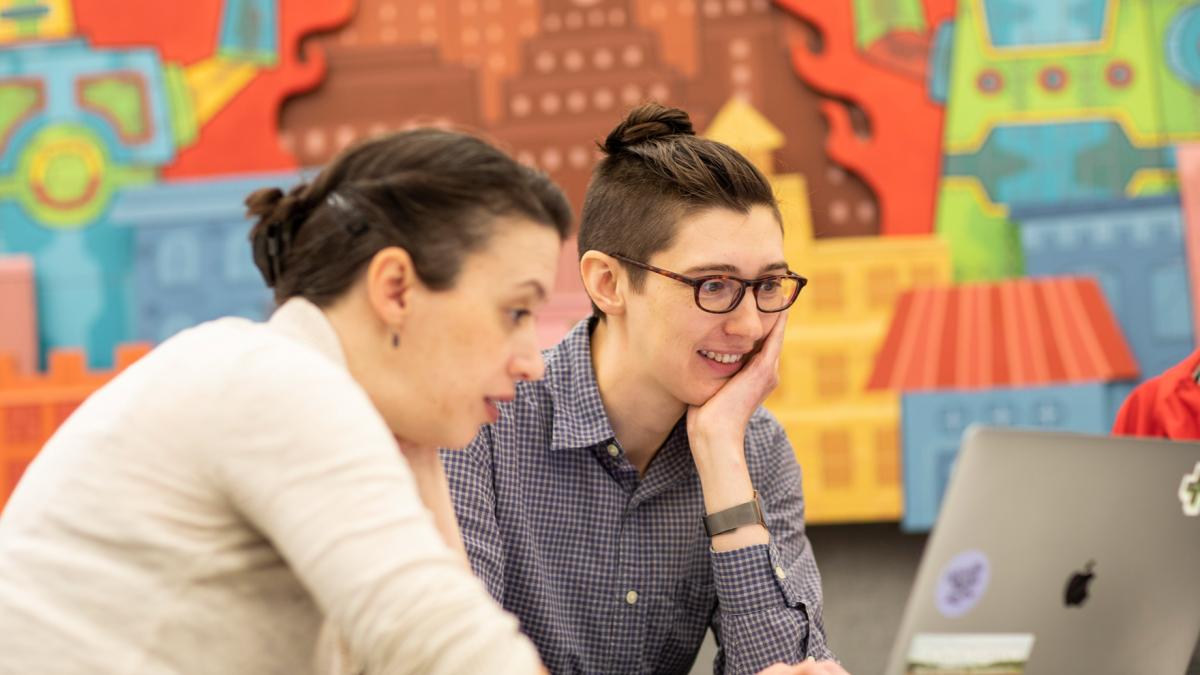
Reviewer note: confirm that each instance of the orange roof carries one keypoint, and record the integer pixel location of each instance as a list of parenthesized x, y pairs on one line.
[(1018, 332)]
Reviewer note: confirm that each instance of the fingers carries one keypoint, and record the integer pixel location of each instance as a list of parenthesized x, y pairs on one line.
[(806, 667)]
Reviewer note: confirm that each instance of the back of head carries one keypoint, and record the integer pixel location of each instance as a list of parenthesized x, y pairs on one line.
[(655, 173), (433, 193)]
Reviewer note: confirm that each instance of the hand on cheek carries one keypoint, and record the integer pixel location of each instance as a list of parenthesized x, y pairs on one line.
[(725, 415)]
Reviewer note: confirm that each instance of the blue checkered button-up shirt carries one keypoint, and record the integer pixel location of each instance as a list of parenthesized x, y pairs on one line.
[(612, 573)]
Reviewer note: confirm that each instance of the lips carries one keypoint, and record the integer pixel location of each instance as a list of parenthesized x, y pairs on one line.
[(494, 403)]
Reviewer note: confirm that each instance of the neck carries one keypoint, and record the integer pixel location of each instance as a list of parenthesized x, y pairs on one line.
[(642, 415)]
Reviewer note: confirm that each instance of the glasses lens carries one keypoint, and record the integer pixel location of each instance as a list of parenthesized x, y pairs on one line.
[(718, 295), (775, 294)]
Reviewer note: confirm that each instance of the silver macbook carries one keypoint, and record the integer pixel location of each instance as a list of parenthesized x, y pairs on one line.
[(1057, 554)]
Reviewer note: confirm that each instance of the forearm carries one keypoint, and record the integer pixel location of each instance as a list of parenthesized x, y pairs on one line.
[(725, 481)]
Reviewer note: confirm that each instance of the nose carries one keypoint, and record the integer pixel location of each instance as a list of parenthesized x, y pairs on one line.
[(745, 320), (527, 363)]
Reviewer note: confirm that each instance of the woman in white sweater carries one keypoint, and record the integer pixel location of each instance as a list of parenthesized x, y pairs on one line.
[(204, 511)]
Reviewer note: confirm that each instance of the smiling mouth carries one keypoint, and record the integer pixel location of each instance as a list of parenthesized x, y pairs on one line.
[(721, 358)]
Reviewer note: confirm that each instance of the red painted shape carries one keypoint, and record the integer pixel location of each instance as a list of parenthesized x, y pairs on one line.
[(243, 136), (1056, 315), (901, 159)]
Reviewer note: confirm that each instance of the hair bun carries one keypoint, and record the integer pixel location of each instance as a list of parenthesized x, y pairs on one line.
[(277, 218), (646, 123)]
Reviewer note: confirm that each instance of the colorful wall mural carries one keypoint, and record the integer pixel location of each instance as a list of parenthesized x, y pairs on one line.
[(954, 166)]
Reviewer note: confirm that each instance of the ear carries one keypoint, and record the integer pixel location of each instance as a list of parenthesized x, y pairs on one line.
[(391, 285), (604, 281)]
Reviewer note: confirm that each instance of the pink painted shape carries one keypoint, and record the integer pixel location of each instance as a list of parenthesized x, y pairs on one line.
[(18, 311), (1188, 158)]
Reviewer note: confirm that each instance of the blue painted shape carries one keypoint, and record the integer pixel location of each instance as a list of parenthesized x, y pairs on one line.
[(1049, 163), (250, 30), (938, 79), (193, 259), (1182, 45), (60, 66), (933, 424), (1019, 23), (1135, 247)]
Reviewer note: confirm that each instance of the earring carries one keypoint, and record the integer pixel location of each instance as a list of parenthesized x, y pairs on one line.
[(395, 340)]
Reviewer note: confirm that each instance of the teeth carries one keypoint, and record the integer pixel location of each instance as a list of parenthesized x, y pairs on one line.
[(722, 358)]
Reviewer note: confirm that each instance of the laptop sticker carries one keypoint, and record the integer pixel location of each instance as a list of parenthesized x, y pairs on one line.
[(962, 583), (958, 653), (1189, 492)]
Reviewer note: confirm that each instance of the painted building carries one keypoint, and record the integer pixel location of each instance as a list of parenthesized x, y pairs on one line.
[(846, 438), (32, 406), (1135, 248), (192, 260), (1043, 353), (1054, 102)]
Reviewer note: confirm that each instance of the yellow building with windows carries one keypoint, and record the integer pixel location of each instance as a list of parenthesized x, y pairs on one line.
[(846, 438)]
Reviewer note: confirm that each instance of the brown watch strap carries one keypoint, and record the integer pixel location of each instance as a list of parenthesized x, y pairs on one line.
[(734, 517)]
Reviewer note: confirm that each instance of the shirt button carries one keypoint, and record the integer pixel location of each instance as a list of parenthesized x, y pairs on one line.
[(613, 451), (780, 573), (631, 598)]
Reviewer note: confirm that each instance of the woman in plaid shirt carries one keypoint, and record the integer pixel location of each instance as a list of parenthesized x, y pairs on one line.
[(639, 494)]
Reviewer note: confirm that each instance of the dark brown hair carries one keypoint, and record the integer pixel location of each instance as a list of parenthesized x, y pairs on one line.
[(655, 173), (433, 193)]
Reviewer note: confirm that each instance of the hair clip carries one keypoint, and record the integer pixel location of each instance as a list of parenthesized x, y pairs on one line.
[(354, 225)]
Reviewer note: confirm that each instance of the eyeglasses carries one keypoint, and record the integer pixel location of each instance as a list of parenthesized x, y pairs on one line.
[(722, 293)]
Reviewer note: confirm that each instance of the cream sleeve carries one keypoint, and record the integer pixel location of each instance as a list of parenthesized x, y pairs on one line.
[(313, 467)]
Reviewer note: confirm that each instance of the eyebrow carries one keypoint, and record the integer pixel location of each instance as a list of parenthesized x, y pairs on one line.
[(537, 287), (725, 268)]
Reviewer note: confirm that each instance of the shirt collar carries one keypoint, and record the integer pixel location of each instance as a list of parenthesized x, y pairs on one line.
[(305, 323), (580, 420)]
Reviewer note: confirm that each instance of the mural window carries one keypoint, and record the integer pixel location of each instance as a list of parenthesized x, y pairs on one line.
[(178, 259), (1171, 313), (836, 458), (883, 284), (23, 424), (1049, 413), (833, 380), (827, 291), (237, 260), (953, 419), (887, 455), (1002, 414), (925, 275)]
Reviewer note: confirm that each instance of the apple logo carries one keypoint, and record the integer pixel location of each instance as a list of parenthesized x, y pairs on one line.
[(1077, 586)]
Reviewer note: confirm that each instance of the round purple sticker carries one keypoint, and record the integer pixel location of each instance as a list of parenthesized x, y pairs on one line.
[(962, 583)]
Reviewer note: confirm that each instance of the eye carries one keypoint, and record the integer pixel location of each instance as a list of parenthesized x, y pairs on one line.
[(713, 286), (769, 286), (517, 316)]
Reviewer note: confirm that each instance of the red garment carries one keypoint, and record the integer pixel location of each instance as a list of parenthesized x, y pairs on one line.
[(1166, 406)]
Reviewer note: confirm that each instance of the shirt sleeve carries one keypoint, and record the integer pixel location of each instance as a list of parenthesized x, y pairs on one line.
[(769, 595), (472, 489), (312, 466)]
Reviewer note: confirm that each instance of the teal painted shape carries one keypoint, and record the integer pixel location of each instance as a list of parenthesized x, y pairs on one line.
[(1018, 23), (1037, 164), (1182, 45), (938, 79), (84, 282), (250, 30)]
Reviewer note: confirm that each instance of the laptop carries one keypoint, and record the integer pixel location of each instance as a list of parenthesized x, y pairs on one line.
[(1059, 553)]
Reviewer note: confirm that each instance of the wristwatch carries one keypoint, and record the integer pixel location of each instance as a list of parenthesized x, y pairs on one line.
[(734, 517)]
